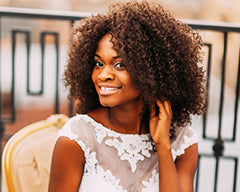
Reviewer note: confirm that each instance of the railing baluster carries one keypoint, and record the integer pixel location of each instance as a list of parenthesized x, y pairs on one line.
[(13, 109), (222, 85), (207, 86), (56, 45), (236, 101)]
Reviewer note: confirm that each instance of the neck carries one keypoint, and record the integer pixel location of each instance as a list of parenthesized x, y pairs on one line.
[(128, 119)]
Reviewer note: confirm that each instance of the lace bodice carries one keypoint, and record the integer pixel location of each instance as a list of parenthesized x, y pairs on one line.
[(118, 162)]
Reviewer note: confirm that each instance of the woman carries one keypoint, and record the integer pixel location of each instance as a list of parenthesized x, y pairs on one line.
[(135, 72)]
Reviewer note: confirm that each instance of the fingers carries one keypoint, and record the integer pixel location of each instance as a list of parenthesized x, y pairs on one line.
[(165, 109), (160, 121), (153, 112)]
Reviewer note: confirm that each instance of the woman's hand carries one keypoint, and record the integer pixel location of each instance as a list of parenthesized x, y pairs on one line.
[(172, 177), (160, 122)]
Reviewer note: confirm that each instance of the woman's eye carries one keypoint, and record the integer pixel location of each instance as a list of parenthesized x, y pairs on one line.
[(99, 64), (119, 66)]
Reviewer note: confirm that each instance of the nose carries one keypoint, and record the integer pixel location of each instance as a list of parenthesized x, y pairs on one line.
[(106, 73)]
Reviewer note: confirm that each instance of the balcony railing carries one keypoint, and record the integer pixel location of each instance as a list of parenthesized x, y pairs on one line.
[(33, 52)]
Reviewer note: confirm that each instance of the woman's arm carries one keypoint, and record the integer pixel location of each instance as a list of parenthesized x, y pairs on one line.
[(67, 166), (178, 176), (172, 177), (186, 166)]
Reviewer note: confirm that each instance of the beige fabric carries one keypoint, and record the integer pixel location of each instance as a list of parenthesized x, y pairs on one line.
[(27, 156)]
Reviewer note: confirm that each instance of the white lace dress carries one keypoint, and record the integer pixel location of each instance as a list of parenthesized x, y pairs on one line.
[(118, 162)]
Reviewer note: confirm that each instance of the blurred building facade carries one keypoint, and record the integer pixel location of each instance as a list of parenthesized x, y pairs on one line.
[(206, 10), (212, 10)]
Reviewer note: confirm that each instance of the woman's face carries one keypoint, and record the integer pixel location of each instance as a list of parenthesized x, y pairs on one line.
[(111, 80)]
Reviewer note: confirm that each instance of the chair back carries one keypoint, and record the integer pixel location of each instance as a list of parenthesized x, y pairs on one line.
[(27, 155)]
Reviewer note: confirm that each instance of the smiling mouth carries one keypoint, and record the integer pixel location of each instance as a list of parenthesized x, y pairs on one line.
[(106, 90)]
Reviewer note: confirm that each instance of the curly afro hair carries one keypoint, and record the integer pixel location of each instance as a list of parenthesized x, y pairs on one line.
[(161, 54)]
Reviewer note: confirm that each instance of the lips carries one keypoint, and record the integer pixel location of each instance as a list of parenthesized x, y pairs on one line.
[(108, 89)]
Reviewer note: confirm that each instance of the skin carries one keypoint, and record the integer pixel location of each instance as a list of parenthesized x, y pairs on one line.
[(120, 111)]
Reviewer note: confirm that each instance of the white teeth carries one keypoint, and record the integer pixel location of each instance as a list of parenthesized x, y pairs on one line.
[(108, 88)]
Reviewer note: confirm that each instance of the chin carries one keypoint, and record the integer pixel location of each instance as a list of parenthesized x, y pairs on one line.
[(108, 103)]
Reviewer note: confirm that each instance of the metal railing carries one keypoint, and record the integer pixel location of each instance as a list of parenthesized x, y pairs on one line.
[(226, 30), (216, 39)]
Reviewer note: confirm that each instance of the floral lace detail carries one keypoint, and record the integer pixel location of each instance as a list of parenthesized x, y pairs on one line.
[(132, 148), (101, 133), (93, 168), (152, 184)]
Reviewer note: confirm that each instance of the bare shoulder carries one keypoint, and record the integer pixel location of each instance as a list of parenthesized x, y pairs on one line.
[(190, 157), (186, 165), (67, 165), (65, 146)]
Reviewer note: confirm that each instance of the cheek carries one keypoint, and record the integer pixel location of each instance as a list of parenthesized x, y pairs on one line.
[(124, 77), (130, 86), (135, 92)]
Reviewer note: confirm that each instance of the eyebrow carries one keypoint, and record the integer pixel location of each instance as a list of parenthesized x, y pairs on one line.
[(116, 57)]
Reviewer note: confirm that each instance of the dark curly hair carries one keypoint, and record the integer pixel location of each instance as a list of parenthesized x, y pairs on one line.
[(162, 56)]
